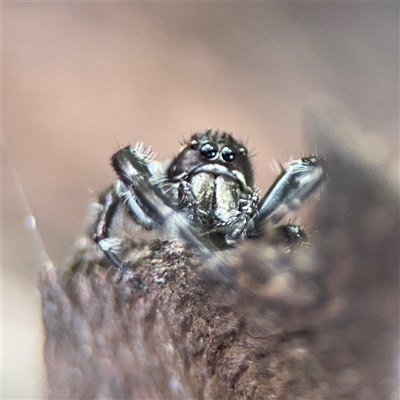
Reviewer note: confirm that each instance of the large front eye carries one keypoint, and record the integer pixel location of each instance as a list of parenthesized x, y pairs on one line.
[(209, 150), (228, 154)]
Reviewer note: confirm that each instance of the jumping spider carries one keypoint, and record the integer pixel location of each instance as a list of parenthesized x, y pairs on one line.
[(205, 195)]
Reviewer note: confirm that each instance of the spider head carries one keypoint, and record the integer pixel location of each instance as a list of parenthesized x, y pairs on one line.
[(213, 152)]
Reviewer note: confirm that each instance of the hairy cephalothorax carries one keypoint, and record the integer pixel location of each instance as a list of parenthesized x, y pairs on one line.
[(205, 195)]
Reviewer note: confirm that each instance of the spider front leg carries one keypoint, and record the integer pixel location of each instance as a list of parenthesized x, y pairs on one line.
[(297, 181), (140, 191), (109, 202), (121, 194)]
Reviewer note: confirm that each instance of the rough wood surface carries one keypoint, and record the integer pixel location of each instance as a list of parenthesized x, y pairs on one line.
[(319, 322)]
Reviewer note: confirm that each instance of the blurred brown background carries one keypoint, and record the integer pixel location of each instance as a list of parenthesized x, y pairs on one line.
[(81, 79)]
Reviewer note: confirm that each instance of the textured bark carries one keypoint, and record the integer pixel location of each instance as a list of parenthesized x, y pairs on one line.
[(257, 322)]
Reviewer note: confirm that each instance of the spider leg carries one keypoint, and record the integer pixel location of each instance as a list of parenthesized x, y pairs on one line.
[(293, 233), (244, 221), (132, 168), (134, 209), (109, 202), (289, 235), (297, 181)]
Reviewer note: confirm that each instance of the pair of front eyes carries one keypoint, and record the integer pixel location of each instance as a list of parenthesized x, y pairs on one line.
[(210, 151)]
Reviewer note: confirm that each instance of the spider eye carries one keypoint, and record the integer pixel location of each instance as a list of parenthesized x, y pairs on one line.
[(243, 151), (228, 154), (209, 150), (194, 144)]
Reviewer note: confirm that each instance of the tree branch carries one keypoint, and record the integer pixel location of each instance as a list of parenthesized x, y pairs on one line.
[(318, 322)]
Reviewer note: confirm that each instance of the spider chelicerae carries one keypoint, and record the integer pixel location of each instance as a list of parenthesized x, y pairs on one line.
[(205, 195)]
